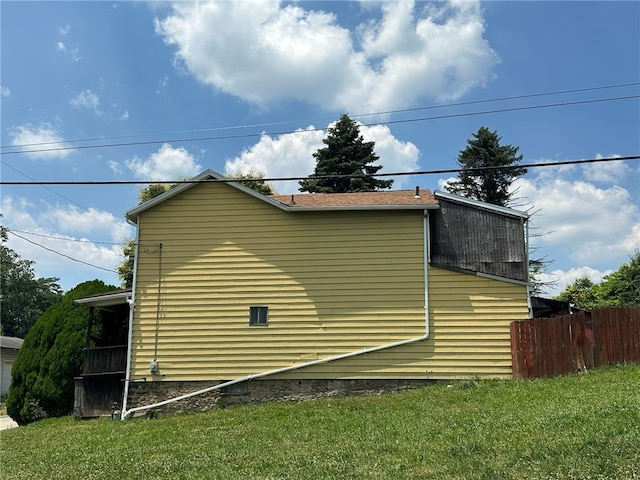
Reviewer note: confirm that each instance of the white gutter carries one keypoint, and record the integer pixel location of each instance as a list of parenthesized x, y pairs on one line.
[(132, 302), (425, 225)]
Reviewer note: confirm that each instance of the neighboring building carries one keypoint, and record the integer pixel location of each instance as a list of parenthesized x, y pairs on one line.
[(9, 348), (268, 297)]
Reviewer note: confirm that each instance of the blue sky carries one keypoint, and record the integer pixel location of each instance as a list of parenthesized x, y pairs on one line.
[(217, 85)]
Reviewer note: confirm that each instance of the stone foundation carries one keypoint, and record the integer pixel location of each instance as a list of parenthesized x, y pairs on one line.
[(256, 391)]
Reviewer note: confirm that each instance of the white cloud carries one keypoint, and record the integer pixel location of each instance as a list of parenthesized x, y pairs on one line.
[(35, 139), (162, 85), (125, 115), (291, 155), (557, 280), (606, 172), (74, 53), (264, 51), (288, 155), (64, 29), (167, 163), (55, 233), (4, 91), (87, 99), (582, 223)]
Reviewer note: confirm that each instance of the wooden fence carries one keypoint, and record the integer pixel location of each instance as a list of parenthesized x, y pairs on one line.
[(547, 347)]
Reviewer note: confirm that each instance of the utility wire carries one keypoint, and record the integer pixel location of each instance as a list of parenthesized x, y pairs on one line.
[(61, 254), (314, 177), (359, 115), (253, 135), (64, 239), (110, 220)]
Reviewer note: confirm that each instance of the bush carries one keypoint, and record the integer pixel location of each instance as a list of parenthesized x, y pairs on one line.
[(51, 356)]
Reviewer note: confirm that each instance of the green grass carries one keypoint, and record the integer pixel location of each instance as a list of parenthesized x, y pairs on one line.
[(574, 427)]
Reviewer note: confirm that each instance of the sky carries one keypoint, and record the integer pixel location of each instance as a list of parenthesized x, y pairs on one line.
[(123, 91)]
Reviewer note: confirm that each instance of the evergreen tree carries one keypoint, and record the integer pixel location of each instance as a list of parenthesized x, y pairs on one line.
[(51, 356), (345, 154), (491, 185)]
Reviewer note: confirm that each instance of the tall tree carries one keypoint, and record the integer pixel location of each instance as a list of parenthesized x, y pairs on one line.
[(622, 287), (582, 293), (347, 160), (618, 289), (490, 185), (254, 181), (24, 298)]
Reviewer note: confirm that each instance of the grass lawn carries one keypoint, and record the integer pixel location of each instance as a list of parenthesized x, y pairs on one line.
[(575, 427)]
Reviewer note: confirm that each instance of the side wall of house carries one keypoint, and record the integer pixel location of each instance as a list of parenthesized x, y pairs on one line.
[(469, 335), (334, 282)]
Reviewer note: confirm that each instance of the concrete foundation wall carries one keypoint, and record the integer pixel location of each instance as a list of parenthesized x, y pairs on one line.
[(256, 391)]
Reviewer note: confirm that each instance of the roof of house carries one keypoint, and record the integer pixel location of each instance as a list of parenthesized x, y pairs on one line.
[(106, 299), (13, 343), (391, 198), (419, 199)]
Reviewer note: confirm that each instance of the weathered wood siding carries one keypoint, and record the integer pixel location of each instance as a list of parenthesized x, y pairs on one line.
[(334, 282), (477, 240), (470, 321)]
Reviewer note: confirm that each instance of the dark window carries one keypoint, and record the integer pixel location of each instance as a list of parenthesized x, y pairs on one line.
[(258, 315)]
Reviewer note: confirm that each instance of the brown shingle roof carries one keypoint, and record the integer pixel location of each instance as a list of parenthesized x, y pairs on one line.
[(360, 199)]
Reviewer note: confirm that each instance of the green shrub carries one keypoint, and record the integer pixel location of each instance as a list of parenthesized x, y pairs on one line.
[(51, 356)]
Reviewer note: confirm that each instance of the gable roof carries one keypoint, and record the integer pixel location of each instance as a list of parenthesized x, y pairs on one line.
[(382, 200), (391, 200)]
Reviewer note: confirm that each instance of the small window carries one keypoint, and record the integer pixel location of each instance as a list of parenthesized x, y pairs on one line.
[(258, 315)]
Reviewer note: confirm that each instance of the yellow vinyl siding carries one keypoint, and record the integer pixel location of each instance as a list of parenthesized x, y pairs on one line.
[(334, 282), (469, 335)]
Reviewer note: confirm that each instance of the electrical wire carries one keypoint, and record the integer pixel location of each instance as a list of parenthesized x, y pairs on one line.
[(359, 115), (108, 219), (64, 239), (298, 131), (59, 253), (315, 177)]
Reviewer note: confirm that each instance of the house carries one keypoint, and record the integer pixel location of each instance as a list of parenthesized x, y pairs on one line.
[(239, 297), (9, 348)]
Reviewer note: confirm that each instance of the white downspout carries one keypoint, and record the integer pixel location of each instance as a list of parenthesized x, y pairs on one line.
[(426, 238), (132, 303), (425, 225)]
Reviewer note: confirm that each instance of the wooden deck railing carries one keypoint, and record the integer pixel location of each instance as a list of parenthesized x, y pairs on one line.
[(103, 360)]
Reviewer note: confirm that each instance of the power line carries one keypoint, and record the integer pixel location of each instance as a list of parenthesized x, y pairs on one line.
[(276, 179), (287, 122), (110, 220), (54, 237), (61, 254), (253, 135)]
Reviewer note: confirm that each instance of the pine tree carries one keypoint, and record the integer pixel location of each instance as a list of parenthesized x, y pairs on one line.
[(491, 185), (345, 154)]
